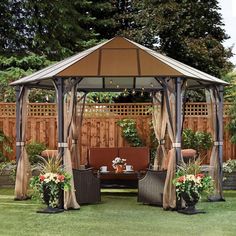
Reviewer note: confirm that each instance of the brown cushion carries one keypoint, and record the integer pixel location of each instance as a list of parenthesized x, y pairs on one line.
[(49, 153), (102, 157), (188, 152), (138, 157)]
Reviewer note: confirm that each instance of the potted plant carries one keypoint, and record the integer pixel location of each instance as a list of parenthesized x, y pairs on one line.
[(50, 184), (190, 184), (118, 164), (229, 170)]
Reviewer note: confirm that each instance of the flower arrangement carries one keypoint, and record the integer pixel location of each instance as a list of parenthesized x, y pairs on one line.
[(51, 181), (118, 161), (191, 181), (193, 185)]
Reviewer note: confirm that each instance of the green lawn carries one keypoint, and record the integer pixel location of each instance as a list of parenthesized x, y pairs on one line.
[(118, 214)]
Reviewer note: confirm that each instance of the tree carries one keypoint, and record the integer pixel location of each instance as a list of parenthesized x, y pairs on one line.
[(12, 27), (59, 28), (13, 68), (230, 90), (192, 32)]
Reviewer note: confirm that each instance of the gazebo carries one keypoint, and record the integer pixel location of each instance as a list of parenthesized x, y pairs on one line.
[(116, 65)]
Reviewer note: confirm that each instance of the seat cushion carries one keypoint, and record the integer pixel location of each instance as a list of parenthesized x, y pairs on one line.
[(138, 157), (102, 157)]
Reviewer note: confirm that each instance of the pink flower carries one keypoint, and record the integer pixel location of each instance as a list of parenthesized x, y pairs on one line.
[(200, 176), (61, 178), (41, 178), (181, 179)]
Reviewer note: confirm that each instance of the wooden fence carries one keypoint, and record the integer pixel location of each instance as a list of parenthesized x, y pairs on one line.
[(99, 125)]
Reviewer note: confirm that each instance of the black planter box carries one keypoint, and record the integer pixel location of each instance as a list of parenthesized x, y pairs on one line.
[(229, 182)]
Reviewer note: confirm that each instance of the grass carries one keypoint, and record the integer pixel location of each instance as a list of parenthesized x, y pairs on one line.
[(118, 214)]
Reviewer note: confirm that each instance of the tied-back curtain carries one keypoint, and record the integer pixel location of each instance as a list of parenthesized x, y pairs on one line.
[(212, 98), (170, 91), (23, 172), (75, 130), (69, 196), (159, 120), (169, 194)]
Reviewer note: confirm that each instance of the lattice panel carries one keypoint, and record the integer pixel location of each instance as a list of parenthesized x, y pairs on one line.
[(106, 109), (116, 110), (196, 109), (42, 109), (7, 110)]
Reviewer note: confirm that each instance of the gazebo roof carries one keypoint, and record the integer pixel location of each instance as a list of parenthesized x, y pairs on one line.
[(118, 59)]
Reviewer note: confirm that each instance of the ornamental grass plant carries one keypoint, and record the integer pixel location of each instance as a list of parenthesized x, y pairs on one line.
[(189, 180), (51, 180)]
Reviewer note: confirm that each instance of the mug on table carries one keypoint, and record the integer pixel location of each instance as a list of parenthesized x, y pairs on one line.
[(129, 168), (103, 168)]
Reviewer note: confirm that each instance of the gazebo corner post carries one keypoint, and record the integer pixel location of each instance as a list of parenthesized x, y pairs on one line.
[(220, 137), (60, 120), (178, 118), (178, 121), (60, 114), (18, 124)]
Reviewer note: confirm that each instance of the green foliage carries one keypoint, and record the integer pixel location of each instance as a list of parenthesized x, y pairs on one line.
[(192, 32), (106, 97), (229, 166), (5, 144), (15, 67), (129, 132), (230, 90), (34, 149), (232, 124), (199, 140)]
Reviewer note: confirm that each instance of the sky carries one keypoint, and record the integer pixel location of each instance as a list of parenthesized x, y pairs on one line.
[(228, 11)]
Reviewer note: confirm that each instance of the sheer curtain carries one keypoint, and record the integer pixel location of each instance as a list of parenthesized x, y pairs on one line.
[(159, 120), (69, 112), (170, 91), (75, 130), (212, 98), (23, 172)]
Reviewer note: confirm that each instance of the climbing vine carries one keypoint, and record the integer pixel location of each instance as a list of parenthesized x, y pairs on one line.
[(129, 132)]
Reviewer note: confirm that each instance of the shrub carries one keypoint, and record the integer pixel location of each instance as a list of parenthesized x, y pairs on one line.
[(229, 166), (232, 124), (200, 140), (5, 144), (34, 149)]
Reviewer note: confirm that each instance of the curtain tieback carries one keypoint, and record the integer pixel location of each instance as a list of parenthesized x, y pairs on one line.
[(176, 145), (20, 144), (74, 141), (162, 142), (64, 145), (218, 143)]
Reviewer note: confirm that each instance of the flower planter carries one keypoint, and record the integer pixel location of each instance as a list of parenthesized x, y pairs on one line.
[(6, 179), (229, 182)]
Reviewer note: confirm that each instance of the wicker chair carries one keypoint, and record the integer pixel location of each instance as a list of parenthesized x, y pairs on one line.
[(87, 186), (151, 186)]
